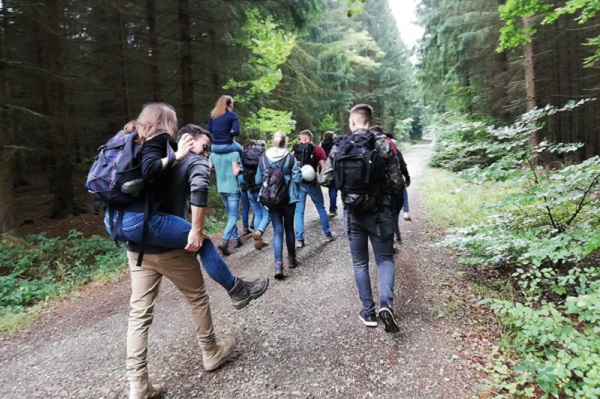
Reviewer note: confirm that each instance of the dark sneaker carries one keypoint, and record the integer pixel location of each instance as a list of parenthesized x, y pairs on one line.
[(332, 214), (224, 247), (369, 319), (245, 291), (246, 231), (389, 320), (237, 243), (300, 244), (279, 270), (292, 262)]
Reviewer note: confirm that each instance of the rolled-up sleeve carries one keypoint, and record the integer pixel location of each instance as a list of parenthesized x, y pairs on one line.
[(199, 180)]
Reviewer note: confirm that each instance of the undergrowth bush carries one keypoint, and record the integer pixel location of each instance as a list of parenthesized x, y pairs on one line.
[(38, 268), (541, 234)]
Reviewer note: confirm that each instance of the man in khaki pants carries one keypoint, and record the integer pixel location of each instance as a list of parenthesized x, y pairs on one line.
[(181, 267)]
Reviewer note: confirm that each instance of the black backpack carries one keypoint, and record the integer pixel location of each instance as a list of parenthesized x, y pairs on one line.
[(359, 172), (274, 191), (250, 162), (305, 154)]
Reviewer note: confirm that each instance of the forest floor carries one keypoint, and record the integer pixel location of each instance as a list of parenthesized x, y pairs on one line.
[(302, 339)]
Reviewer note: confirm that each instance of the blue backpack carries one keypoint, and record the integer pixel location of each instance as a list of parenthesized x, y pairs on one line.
[(115, 178)]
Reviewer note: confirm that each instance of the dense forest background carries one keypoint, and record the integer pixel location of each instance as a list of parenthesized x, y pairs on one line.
[(73, 72)]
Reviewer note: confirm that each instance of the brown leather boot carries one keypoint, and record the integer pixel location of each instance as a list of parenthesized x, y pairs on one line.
[(214, 354), (140, 388)]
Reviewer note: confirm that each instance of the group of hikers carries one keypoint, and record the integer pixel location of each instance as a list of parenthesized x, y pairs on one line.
[(164, 227)]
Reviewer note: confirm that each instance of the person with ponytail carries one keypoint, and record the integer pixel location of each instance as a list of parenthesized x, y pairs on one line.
[(224, 126)]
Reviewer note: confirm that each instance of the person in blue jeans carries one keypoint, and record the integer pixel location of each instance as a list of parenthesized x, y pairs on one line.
[(224, 125), (227, 168), (283, 216), (310, 188), (245, 196), (167, 226), (250, 160), (376, 226)]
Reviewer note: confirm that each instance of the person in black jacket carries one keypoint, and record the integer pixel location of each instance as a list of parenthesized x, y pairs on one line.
[(327, 145)]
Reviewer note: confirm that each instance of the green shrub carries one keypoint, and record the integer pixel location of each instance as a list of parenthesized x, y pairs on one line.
[(38, 268)]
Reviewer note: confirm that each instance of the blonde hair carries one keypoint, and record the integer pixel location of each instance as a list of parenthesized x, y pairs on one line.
[(307, 133), (154, 119), (221, 106), (279, 140)]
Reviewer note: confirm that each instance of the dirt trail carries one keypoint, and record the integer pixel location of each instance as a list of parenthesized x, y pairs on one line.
[(301, 339)]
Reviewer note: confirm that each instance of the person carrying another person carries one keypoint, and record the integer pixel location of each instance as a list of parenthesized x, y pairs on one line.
[(327, 145), (224, 125), (310, 158), (156, 125), (165, 225), (278, 174), (227, 169), (365, 169)]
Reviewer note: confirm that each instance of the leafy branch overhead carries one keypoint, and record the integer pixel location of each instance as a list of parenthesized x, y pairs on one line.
[(269, 47)]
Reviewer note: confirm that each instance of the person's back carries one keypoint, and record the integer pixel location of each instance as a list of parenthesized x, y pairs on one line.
[(226, 179)]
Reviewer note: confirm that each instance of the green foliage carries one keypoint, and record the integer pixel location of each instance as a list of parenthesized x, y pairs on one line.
[(356, 7), (559, 346), (269, 46), (329, 123), (515, 34), (265, 122), (40, 268)]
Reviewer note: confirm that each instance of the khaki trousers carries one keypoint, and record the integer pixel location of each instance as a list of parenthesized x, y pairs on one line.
[(183, 269)]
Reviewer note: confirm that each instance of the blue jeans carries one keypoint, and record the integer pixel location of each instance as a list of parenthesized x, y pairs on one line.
[(332, 199), (315, 193), (225, 148), (246, 210), (405, 206), (169, 231), (261, 215), (378, 227), (283, 222), (232, 205)]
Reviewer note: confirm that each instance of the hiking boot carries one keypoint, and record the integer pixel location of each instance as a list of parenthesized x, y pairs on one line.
[(141, 388), (406, 216), (224, 247), (246, 231), (237, 243), (399, 239), (217, 353), (259, 243), (292, 262), (245, 291), (300, 244), (389, 320), (330, 236), (369, 318), (279, 270)]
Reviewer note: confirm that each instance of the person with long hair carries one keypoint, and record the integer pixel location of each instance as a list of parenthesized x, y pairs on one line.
[(224, 125), (283, 216), (156, 127)]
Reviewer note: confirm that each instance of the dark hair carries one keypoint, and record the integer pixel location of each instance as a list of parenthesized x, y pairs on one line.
[(249, 143), (328, 135), (194, 131), (363, 112), (389, 135), (376, 128)]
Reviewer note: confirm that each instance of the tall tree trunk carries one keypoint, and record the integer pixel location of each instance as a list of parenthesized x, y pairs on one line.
[(7, 199), (123, 50), (61, 181), (528, 54), (187, 78), (154, 50)]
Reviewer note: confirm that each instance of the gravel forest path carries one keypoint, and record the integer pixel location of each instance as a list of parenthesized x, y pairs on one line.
[(302, 339)]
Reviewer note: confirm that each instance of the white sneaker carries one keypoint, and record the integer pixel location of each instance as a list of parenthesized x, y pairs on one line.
[(406, 216)]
